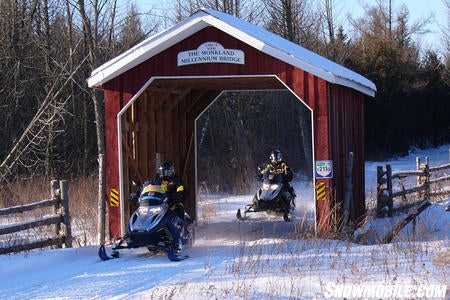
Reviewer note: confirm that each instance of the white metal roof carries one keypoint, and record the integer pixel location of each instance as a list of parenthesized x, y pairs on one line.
[(255, 36)]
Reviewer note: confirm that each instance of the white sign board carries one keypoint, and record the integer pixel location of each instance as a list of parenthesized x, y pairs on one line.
[(211, 52), (324, 169)]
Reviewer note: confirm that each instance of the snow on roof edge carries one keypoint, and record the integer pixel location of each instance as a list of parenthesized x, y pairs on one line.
[(250, 34), (323, 67)]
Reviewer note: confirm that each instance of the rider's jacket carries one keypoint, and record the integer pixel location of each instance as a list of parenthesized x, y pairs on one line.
[(173, 186), (279, 168)]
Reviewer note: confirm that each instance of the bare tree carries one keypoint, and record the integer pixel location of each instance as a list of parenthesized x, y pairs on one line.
[(446, 38), (131, 30), (34, 137), (295, 20), (41, 103), (248, 10), (329, 18), (92, 40)]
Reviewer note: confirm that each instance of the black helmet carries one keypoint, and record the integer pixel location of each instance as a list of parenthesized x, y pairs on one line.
[(166, 169), (275, 156)]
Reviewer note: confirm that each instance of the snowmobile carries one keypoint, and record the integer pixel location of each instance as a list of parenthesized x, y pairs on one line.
[(272, 196), (148, 225)]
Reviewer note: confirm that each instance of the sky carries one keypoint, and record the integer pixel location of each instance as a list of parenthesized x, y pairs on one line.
[(419, 10), (259, 258)]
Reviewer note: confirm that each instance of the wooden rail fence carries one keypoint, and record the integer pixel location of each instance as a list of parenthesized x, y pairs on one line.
[(59, 219), (426, 179)]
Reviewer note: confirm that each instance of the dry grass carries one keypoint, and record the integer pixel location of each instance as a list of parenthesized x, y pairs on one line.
[(22, 191), (82, 209)]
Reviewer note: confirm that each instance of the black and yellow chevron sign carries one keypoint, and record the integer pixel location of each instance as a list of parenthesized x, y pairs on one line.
[(320, 191), (114, 197)]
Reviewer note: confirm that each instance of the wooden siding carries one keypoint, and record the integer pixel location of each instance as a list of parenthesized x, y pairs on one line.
[(162, 118), (113, 103), (346, 115)]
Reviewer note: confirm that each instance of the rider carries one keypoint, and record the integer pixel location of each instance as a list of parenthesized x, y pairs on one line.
[(278, 165), (173, 186)]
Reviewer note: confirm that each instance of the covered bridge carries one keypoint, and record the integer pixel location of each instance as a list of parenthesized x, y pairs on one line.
[(155, 91)]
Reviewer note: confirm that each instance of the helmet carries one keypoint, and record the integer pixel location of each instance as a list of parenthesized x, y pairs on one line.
[(275, 156), (166, 169)]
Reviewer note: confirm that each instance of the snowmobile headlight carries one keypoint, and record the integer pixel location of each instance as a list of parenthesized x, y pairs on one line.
[(266, 186), (143, 209), (155, 210), (274, 186)]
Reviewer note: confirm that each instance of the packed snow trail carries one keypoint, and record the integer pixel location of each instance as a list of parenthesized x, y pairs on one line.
[(80, 273), (229, 260)]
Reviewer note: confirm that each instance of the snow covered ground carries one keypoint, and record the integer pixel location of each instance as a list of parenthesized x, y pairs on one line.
[(262, 258)]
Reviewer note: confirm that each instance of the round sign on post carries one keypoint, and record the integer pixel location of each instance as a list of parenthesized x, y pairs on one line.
[(324, 169)]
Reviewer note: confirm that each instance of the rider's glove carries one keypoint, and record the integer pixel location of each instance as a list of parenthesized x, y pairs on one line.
[(259, 177), (174, 197), (134, 197)]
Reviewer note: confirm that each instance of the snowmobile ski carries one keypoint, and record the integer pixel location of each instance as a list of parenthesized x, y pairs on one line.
[(239, 215), (175, 257), (170, 254), (102, 253)]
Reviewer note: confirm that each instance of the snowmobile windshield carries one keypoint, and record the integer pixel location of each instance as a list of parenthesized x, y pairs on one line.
[(152, 195)]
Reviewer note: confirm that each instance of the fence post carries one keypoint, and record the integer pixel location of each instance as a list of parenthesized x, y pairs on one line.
[(419, 180), (426, 170), (65, 213), (389, 190), (425, 178), (56, 194), (381, 199)]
